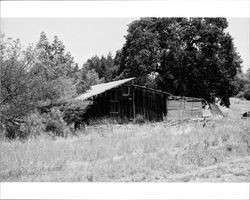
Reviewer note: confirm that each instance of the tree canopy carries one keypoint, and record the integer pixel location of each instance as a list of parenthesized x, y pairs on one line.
[(103, 66), (186, 57)]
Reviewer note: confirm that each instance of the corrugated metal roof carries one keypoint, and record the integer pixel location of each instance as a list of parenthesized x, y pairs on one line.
[(100, 88)]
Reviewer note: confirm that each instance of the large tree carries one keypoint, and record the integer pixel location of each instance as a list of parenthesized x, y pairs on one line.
[(188, 57), (17, 88), (55, 69), (52, 59)]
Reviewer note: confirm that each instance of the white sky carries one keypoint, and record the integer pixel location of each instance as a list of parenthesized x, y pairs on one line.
[(86, 37)]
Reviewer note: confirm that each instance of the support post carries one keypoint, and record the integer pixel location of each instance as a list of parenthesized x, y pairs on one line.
[(133, 98)]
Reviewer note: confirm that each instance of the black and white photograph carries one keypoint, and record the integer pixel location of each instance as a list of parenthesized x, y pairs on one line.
[(125, 99)]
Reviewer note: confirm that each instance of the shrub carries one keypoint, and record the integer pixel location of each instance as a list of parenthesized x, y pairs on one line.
[(55, 124), (12, 130), (33, 125), (74, 112)]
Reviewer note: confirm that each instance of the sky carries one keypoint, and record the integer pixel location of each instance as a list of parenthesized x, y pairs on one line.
[(86, 37)]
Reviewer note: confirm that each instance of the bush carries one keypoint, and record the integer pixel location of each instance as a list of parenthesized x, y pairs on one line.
[(74, 112), (34, 125), (12, 130), (51, 123), (55, 124)]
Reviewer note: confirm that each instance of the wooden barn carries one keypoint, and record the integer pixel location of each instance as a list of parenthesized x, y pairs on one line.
[(124, 101)]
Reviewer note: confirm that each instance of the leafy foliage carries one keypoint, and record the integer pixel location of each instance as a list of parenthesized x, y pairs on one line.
[(33, 126), (17, 90), (86, 79), (188, 57), (55, 123), (39, 76), (74, 112), (103, 66), (242, 85)]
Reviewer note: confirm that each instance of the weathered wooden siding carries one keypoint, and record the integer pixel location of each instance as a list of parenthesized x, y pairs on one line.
[(150, 104), (183, 108), (112, 103), (126, 102)]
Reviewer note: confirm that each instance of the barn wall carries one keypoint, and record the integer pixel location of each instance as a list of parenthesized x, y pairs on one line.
[(113, 104), (100, 106), (150, 104), (126, 102)]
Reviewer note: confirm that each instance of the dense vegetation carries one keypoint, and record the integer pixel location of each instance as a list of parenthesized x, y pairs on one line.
[(190, 57), (35, 80), (242, 85)]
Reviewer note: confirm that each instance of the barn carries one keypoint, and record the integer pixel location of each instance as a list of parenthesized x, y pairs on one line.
[(125, 101)]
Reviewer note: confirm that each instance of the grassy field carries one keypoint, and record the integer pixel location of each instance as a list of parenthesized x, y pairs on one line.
[(218, 150)]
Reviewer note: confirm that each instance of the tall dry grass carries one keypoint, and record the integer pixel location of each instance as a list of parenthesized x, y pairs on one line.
[(150, 152)]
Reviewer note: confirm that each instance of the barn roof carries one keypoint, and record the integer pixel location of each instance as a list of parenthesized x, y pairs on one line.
[(100, 88)]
